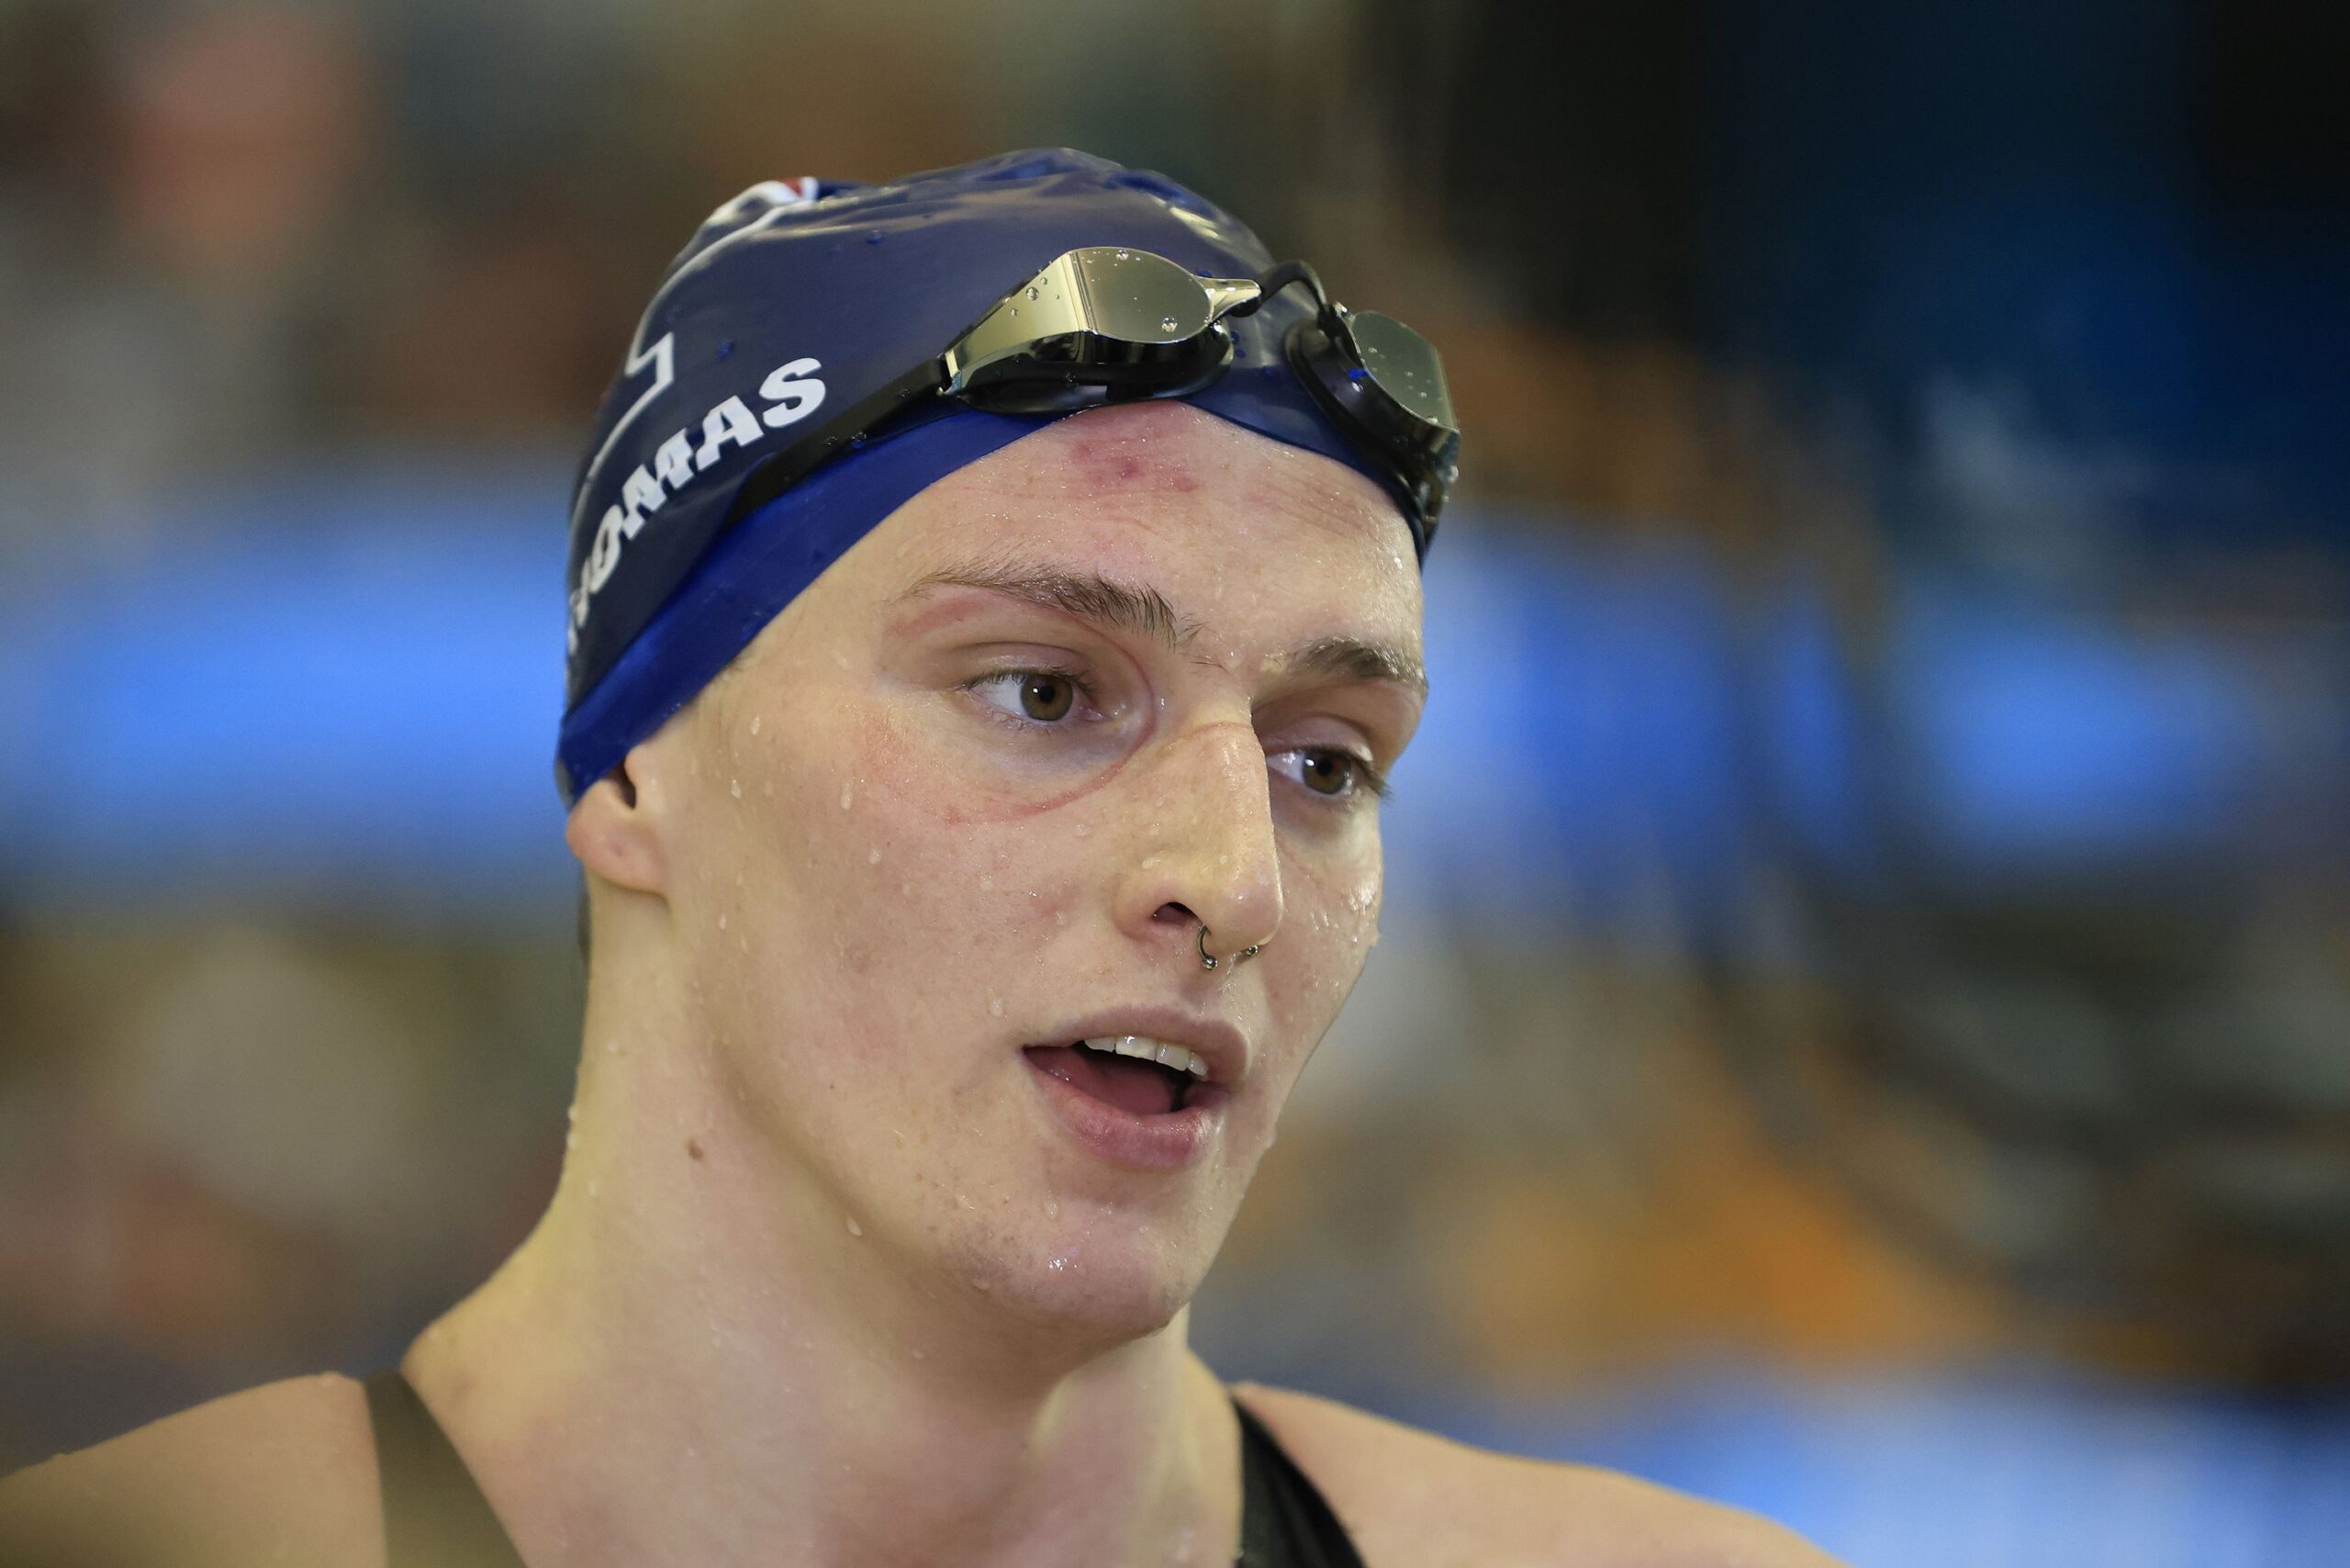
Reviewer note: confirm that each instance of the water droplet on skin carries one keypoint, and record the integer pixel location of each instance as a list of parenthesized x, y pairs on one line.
[(981, 1286), (767, 787), (755, 723), (1058, 1265), (855, 1228), (593, 1188), (1082, 829), (987, 884), (735, 786), (722, 923), (965, 1201), (1052, 1209), (995, 1006), (848, 795), (1061, 918), (873, 857)]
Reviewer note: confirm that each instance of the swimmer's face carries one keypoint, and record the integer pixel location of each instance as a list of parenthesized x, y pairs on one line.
[(928, 829)]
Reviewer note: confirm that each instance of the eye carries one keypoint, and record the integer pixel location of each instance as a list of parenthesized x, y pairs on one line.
[(1038, 696), (1330, 772)]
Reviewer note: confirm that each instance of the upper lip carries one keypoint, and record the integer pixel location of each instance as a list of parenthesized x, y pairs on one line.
[(1223, 1047)]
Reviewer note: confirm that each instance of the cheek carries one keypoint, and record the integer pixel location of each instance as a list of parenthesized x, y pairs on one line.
[(1330, 923), (949, 907)]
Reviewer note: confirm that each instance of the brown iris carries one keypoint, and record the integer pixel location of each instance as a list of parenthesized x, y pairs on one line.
[(1326, 772), (1045, 697)]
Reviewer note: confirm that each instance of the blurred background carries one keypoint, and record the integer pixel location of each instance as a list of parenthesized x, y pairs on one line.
[(1863, 1029)]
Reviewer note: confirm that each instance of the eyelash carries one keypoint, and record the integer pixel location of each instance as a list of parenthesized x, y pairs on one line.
[(1022, 720), (1367, 777)]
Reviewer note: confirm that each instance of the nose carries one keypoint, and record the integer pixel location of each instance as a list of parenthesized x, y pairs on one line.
[(1207, 853)]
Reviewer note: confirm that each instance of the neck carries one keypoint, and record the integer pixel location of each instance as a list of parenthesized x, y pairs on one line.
[(693, 1359)]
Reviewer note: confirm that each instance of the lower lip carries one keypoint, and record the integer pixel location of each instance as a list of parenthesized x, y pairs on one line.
[(1160, 1143)]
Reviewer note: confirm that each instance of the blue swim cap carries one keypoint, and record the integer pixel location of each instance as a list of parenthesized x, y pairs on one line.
[(807, 293)]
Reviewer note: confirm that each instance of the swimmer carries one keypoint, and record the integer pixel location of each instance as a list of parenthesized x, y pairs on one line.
[(994, 608)]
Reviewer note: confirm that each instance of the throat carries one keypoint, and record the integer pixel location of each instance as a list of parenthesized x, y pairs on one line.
[(1133, 1085)]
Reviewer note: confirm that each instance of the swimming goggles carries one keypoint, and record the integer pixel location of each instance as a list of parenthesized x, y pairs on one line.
[(1109, 324)]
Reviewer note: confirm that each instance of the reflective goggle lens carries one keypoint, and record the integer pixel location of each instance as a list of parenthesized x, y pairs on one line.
[(1404, 365), (1097, 324)]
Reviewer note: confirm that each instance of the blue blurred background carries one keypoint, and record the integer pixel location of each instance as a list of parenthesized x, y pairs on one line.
[(1863, 1023)]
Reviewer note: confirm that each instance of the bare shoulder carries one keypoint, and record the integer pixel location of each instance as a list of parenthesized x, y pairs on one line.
[(285, 1472), (1411, 1499)]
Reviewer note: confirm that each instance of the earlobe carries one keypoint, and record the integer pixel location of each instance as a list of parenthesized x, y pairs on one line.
[(612, 832)]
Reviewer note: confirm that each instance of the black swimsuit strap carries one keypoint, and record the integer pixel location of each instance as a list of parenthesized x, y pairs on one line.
[(435, 1517), (434, 1514), (1284, 1520)]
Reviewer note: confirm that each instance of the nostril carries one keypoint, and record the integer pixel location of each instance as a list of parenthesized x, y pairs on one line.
[(1176, 912)]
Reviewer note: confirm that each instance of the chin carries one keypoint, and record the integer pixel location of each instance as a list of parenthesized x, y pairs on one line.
[(1090, 1296)]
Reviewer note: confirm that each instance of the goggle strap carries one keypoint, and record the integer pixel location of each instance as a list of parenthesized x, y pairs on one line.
[(843, 430), (1280, 276)]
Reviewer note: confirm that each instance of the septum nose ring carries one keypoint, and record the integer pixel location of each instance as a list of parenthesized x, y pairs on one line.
[(1209, 960)]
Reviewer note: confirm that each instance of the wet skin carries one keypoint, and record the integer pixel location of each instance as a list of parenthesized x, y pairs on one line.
[(922, 823), (828, 1280), (823, 1226)]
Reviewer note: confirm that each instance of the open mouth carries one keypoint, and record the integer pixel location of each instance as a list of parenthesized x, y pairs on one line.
[(1128, 1074)]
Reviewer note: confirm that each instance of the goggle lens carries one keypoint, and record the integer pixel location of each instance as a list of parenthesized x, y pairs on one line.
[(1404, 365), (1142, 297), (1098, 324)]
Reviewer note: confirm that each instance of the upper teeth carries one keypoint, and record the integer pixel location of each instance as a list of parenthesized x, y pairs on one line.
[(1177, 1056)]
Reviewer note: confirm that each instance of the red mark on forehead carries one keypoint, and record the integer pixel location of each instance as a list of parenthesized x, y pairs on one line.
[(1126, 463)]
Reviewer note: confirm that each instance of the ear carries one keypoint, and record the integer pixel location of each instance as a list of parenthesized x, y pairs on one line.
[(613, 832)]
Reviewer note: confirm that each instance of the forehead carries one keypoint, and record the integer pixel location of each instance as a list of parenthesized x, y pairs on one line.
[(1170, 491)]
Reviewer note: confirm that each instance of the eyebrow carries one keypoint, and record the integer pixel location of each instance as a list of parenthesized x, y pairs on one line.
[(1088, 596), (1351, 658), (1138, 608)]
